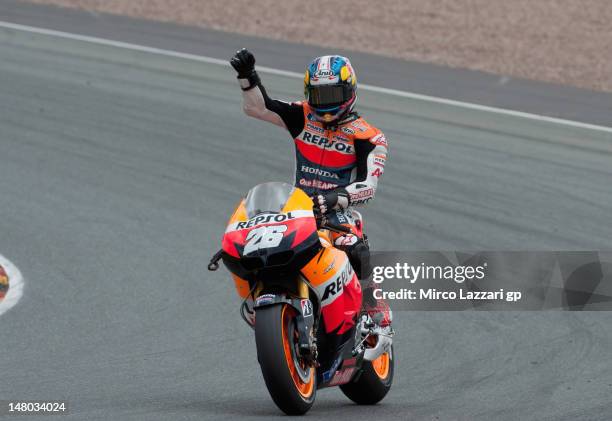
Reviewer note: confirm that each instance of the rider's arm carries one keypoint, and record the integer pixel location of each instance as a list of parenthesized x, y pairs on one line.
[(256, 103), (371, 157), (371, 153)]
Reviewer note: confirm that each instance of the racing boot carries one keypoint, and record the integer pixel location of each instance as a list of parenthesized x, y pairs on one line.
[(379, 311)]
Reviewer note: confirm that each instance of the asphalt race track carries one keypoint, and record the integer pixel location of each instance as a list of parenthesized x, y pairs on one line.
[(118, 170)]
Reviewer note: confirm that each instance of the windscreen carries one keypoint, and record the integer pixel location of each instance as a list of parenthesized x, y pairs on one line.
[(328, 95), (267, 197)]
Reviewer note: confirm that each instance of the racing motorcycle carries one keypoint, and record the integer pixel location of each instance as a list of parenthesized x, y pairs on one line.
[(282, 261)]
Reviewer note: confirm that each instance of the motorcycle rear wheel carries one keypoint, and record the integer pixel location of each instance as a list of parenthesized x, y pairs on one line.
[(291, 383), (375, 381)]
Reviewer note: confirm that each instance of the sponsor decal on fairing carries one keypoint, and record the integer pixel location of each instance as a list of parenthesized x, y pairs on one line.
[(269, 218), (330, 267), (342, 377), (333, 288), (328, 374)]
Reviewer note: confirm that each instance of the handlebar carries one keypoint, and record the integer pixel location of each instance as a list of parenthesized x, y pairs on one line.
[(334, 227)]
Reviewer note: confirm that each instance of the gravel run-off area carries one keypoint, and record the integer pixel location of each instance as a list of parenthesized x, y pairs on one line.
[(561, 41)]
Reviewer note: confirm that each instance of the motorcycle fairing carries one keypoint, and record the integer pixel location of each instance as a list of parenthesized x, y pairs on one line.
[(270, 239), (296, 213), (332, 276)]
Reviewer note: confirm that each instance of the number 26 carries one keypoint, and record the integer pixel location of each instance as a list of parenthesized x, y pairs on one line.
[(264, 237)]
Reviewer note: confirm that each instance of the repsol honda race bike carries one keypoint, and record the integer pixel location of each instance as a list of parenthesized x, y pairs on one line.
[(284, 267)]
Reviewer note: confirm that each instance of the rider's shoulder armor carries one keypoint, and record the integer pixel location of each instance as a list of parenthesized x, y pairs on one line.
[(362, 130)]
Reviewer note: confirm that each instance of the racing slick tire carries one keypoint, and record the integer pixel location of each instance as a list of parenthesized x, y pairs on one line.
[(374, 382), (291, 382)]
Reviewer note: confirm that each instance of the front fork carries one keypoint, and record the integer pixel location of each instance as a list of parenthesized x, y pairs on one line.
[(305, 319)]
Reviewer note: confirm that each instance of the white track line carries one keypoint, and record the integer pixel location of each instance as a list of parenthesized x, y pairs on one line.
[(212, 60), (15, 290)]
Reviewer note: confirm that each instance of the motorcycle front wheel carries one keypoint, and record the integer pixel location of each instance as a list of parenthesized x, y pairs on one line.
[(290, 381)]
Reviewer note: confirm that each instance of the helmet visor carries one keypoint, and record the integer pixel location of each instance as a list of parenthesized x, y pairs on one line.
[(329, 95)]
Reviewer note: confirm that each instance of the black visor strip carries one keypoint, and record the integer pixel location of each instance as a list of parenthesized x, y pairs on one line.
[(329, 95)]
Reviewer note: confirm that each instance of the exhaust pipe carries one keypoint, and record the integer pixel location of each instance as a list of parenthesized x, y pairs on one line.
[(383, 345)]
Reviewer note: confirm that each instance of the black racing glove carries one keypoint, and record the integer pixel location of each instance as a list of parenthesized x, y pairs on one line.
[(244, 63), (328, 201)]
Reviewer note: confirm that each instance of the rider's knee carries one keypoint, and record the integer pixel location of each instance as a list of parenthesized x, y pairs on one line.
[(358, 253)]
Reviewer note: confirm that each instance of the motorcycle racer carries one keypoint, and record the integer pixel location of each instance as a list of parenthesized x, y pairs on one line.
[(339, 156)]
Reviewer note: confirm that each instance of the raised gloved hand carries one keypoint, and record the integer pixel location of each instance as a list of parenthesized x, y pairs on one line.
[(244, 63), (326, 202)]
